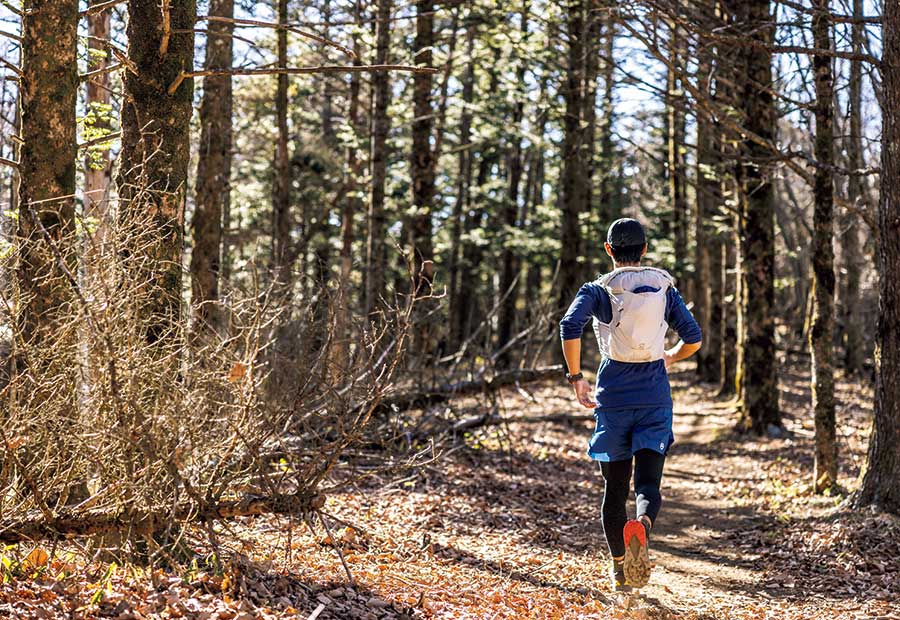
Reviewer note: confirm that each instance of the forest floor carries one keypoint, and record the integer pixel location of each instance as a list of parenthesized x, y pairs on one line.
[(505, 524)]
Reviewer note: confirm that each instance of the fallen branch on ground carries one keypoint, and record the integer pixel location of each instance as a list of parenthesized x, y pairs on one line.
[(149, 521), (443, 393)]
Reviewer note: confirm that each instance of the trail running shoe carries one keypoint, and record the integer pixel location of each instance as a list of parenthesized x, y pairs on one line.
[(637, 561), (617, 576)]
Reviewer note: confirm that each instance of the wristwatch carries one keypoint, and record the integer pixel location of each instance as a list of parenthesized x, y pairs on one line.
[(573, 378)]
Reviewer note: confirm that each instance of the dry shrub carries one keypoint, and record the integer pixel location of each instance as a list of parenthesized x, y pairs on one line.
[(119, 420)]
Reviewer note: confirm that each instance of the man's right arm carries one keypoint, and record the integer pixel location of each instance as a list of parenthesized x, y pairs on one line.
[(579, 314)]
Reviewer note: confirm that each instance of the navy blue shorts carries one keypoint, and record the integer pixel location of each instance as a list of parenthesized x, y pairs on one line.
[(621, 432)]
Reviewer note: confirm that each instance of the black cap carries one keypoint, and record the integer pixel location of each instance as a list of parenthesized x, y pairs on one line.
[(626, 232)]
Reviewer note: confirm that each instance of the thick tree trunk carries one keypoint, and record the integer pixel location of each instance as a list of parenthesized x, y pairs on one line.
[(281, 194), (97, 162), (573, 183), (46, 193), (153, 168), (758, 374), (881, 477), (822, 332), (463, 181), (851, 321), (213, 169), (376, 249)]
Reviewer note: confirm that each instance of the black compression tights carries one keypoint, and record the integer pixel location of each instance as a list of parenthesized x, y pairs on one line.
[(648, 469)]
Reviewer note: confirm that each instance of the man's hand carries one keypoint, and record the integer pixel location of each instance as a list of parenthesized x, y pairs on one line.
[(668, 359), (583, 393)]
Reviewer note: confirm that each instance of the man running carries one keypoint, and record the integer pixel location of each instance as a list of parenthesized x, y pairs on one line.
[(632, 307)]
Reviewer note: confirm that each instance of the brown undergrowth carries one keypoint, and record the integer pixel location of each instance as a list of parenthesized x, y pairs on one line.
[(505, 524)]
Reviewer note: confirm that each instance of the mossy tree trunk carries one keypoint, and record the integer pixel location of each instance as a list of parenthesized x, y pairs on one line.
[(46, 192), (153, 171), (213, 170), (821, 335), (881, 477)]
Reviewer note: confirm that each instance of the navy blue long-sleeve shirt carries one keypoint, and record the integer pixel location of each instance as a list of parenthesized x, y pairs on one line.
[(628, 385)]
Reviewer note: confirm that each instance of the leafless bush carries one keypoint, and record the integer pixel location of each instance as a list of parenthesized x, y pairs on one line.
[(113, 424)]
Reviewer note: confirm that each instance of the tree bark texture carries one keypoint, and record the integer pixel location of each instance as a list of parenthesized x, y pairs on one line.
[(463, 181), (97, 161), (376, 249), (675, 169), (573, 185), (881, 476), (281, 195), (46, 192), (153, 170), (509, 261), (851, 320), (822, 332), (758, 374), (213, 168)]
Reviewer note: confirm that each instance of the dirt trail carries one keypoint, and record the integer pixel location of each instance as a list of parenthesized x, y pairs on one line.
[(507, 525)]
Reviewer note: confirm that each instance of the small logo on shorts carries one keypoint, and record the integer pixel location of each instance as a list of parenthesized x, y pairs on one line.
[(662, 446)]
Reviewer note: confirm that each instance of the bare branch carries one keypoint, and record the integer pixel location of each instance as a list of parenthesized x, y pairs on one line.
[(300, 71), (253, 23), (97, 72), (10, 163), (10, 35), (98, 8), (100, 140), (166, 29), (10, 66)]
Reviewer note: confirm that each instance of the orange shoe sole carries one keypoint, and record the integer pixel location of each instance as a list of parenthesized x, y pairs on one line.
[(637, 560)]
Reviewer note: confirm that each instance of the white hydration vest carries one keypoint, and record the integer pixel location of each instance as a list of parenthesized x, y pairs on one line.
[(637, 331)]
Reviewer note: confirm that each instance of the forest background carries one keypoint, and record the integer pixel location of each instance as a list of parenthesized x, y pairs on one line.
[(294, 224)]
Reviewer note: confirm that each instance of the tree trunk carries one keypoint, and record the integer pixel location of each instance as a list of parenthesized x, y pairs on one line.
[(376, 250), (213, 169), (850, 324), (422, 165), (49, 89), (155, 153), (422, 171), (351, 205), (97, 161), (730, 285), (281, 196), (707, 289), (573, 183), (758, 374), (609, 207), (881, 477), (509, 263), (463, 181), (822, 332), (675, 168)]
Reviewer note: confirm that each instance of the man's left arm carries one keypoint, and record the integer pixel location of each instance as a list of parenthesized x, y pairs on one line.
[(683, 322)]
